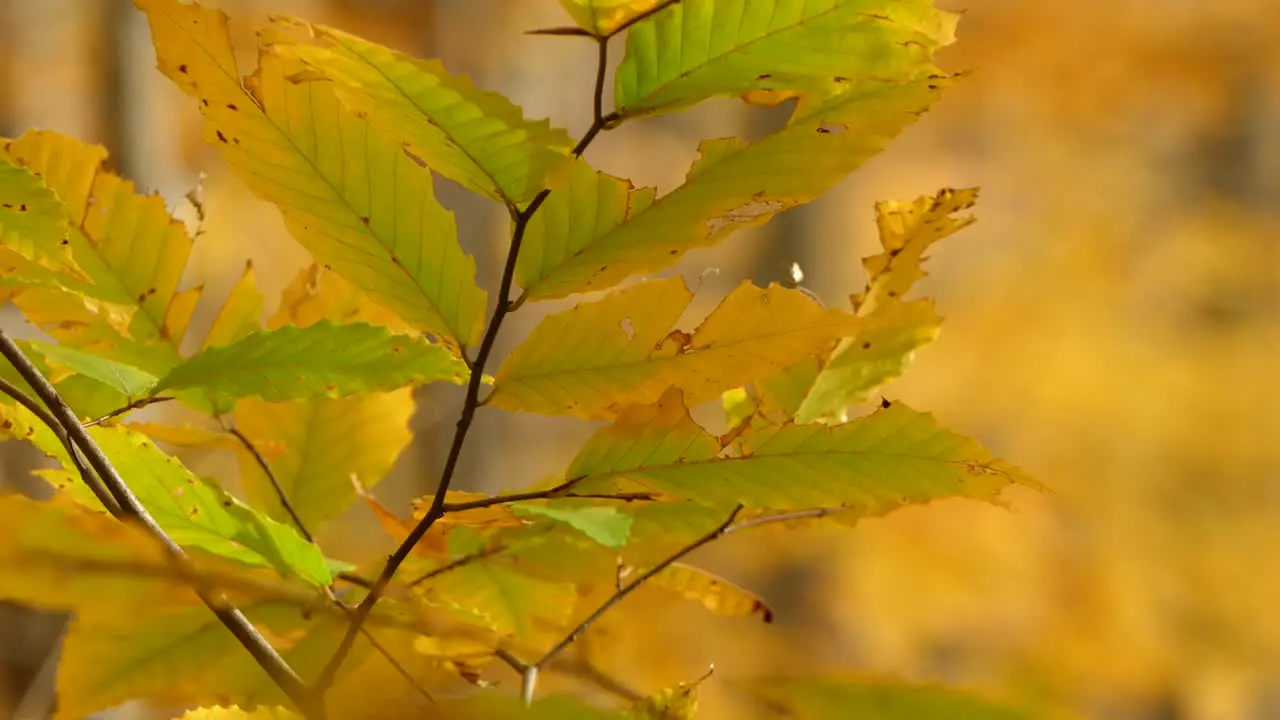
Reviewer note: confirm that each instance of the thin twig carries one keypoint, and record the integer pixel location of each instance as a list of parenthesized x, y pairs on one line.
[(139, 403), (310, 704), (464, 560), (271, 476), (630, 587), (725, 528), (644, 16), (559, 491), (86, 474), (521, 220)]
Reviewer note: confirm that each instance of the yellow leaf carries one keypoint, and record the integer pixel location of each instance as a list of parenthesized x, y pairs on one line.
[(109, 303), (907, 229), (602, 18), (240, 315), (678, 702), (348, 194), (714, 592), (317, 294), (596, 359)]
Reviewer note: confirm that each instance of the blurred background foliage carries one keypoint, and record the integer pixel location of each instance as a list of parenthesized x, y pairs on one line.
[(1110, 322)]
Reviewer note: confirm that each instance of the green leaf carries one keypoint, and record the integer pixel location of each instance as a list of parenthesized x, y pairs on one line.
[(598, 358), (732, 185), (478, 139), (197, 513), (704, 48), (829, 698), (320, 360), (348, 194), (31, 218), (875, 464), (106, 302), (125, 379), (605, 525), (602, 18)]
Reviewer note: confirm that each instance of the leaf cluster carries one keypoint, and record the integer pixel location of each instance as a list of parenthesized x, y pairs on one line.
[(345, 138)]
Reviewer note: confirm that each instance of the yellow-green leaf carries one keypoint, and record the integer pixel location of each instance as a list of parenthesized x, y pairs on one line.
[(197, 513), (599, 358), (316, 448), (871, 465), (824, 698), (475, 138), (31, 217), (125, 379), (348, 193), (603, 524), (320, 360), (240, 315), (511, 602), (602, 18), (880, 353), (108, 303), (864, 362), (678, 702), (704, 48), (715, 593), (732, 185)]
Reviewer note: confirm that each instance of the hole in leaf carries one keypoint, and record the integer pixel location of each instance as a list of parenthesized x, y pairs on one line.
[(627, 328)]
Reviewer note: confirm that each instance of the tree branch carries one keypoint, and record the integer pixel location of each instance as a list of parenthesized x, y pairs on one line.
[(559, 491), (139, 403), (725, 528), (504, 306), (86, 474), (310, 704), (271, 476)]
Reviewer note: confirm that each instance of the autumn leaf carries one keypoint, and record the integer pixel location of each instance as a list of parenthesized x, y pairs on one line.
[(732, 185), (320, 360), (475, 138), (235, 713), (715, 593), (31, 219), (699, 49), (602, 18), (348, 194), (596, 359), (874, 464)]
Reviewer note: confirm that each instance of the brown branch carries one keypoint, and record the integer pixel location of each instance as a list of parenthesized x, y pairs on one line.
[(310, 704), (139, 403), (559, 491), (725, 528), (504, 306), (95, 484), (271, 476), (464, 560)]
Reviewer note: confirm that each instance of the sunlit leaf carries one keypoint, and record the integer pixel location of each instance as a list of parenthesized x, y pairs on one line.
[(703, 48), (347, 193), (731, 185), (109, 303), (511, 602), (317, 294), (605, 525), (602, 18), (714, 593), (678, 702), (878, 354), (316, 449), (874, 464), (196, 513), (320, 360), (821, 699), (125, 379), (240, 315), (598, 358), (31, 217), (863, 363), (475, 138)]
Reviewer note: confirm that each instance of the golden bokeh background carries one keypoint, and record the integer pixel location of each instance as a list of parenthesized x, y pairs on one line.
[(1110, 324)]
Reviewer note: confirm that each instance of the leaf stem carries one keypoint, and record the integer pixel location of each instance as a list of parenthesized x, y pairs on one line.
[(130, 509), (271, 476), (139, 403), (503, 307)]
